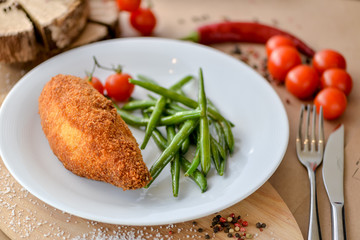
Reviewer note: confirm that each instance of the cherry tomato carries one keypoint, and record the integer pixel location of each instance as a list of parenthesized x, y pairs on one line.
[(281, 60), (302, 81), (143, 20), (96, 83), (326, 59), (128, 5), (333, 102), (338, 78), (118, 87), (277, 41)]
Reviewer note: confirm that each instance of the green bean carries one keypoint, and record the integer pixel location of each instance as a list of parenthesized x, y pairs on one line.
[(181, 83), (220, 133), (229, 137), (222, 166), (215, 156), (138, 104), (152, 97), (196, 175), (195, 162), (219, 148), (172, 148), (176, 107), (204, 129), (176, 118), (185, 146), (130, 118), (175, 163), (179, 117), (158, 109), (159, 139), (153, 120), (146, 79), (226, 125), (173, 95), (169, 111)]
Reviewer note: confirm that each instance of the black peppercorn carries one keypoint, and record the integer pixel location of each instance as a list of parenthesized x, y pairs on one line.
[(207, 236)]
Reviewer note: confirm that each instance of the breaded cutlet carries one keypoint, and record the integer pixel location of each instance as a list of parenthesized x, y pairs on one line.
[(87, 134)]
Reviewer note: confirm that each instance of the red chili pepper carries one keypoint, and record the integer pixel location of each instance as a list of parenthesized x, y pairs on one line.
[(250, 32)]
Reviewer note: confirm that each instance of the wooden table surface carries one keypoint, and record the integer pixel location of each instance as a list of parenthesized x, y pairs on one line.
[(322, 24)]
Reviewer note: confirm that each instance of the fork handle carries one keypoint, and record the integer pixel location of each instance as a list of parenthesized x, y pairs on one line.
[(314, 229), (337, 220)]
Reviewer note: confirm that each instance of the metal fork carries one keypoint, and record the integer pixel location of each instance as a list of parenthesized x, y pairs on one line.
[(310, 153)]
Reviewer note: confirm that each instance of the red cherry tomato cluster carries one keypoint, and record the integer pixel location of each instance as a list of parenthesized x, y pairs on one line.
[(141, 19), (117, 85), (326, 79)]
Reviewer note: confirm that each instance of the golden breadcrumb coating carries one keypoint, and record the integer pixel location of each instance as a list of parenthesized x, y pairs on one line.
[(87, 134)]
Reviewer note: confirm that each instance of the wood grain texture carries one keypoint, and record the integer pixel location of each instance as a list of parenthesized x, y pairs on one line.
[(23, 216), (17, 35), (32, 27)]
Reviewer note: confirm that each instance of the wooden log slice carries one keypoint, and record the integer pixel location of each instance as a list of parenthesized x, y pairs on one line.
[(57, 21), (17, 35), (29, 28), (105, 12)]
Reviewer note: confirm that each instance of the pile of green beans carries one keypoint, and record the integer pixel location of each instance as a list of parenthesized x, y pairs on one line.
[(186, 122)]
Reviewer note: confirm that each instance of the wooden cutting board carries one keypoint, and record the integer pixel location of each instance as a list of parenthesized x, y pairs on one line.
[(23, 216)]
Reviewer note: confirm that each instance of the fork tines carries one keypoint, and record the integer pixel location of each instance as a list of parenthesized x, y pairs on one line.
[(309, 139)]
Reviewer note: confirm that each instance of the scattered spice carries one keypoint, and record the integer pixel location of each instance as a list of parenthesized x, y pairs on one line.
[(234, 226), (237, 50), (261, 226), (207, 236)]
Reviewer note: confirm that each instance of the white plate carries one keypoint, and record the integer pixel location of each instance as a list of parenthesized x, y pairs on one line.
[(261, 133)]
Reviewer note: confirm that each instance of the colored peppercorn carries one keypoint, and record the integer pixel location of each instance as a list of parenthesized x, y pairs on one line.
[(245, 223)]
